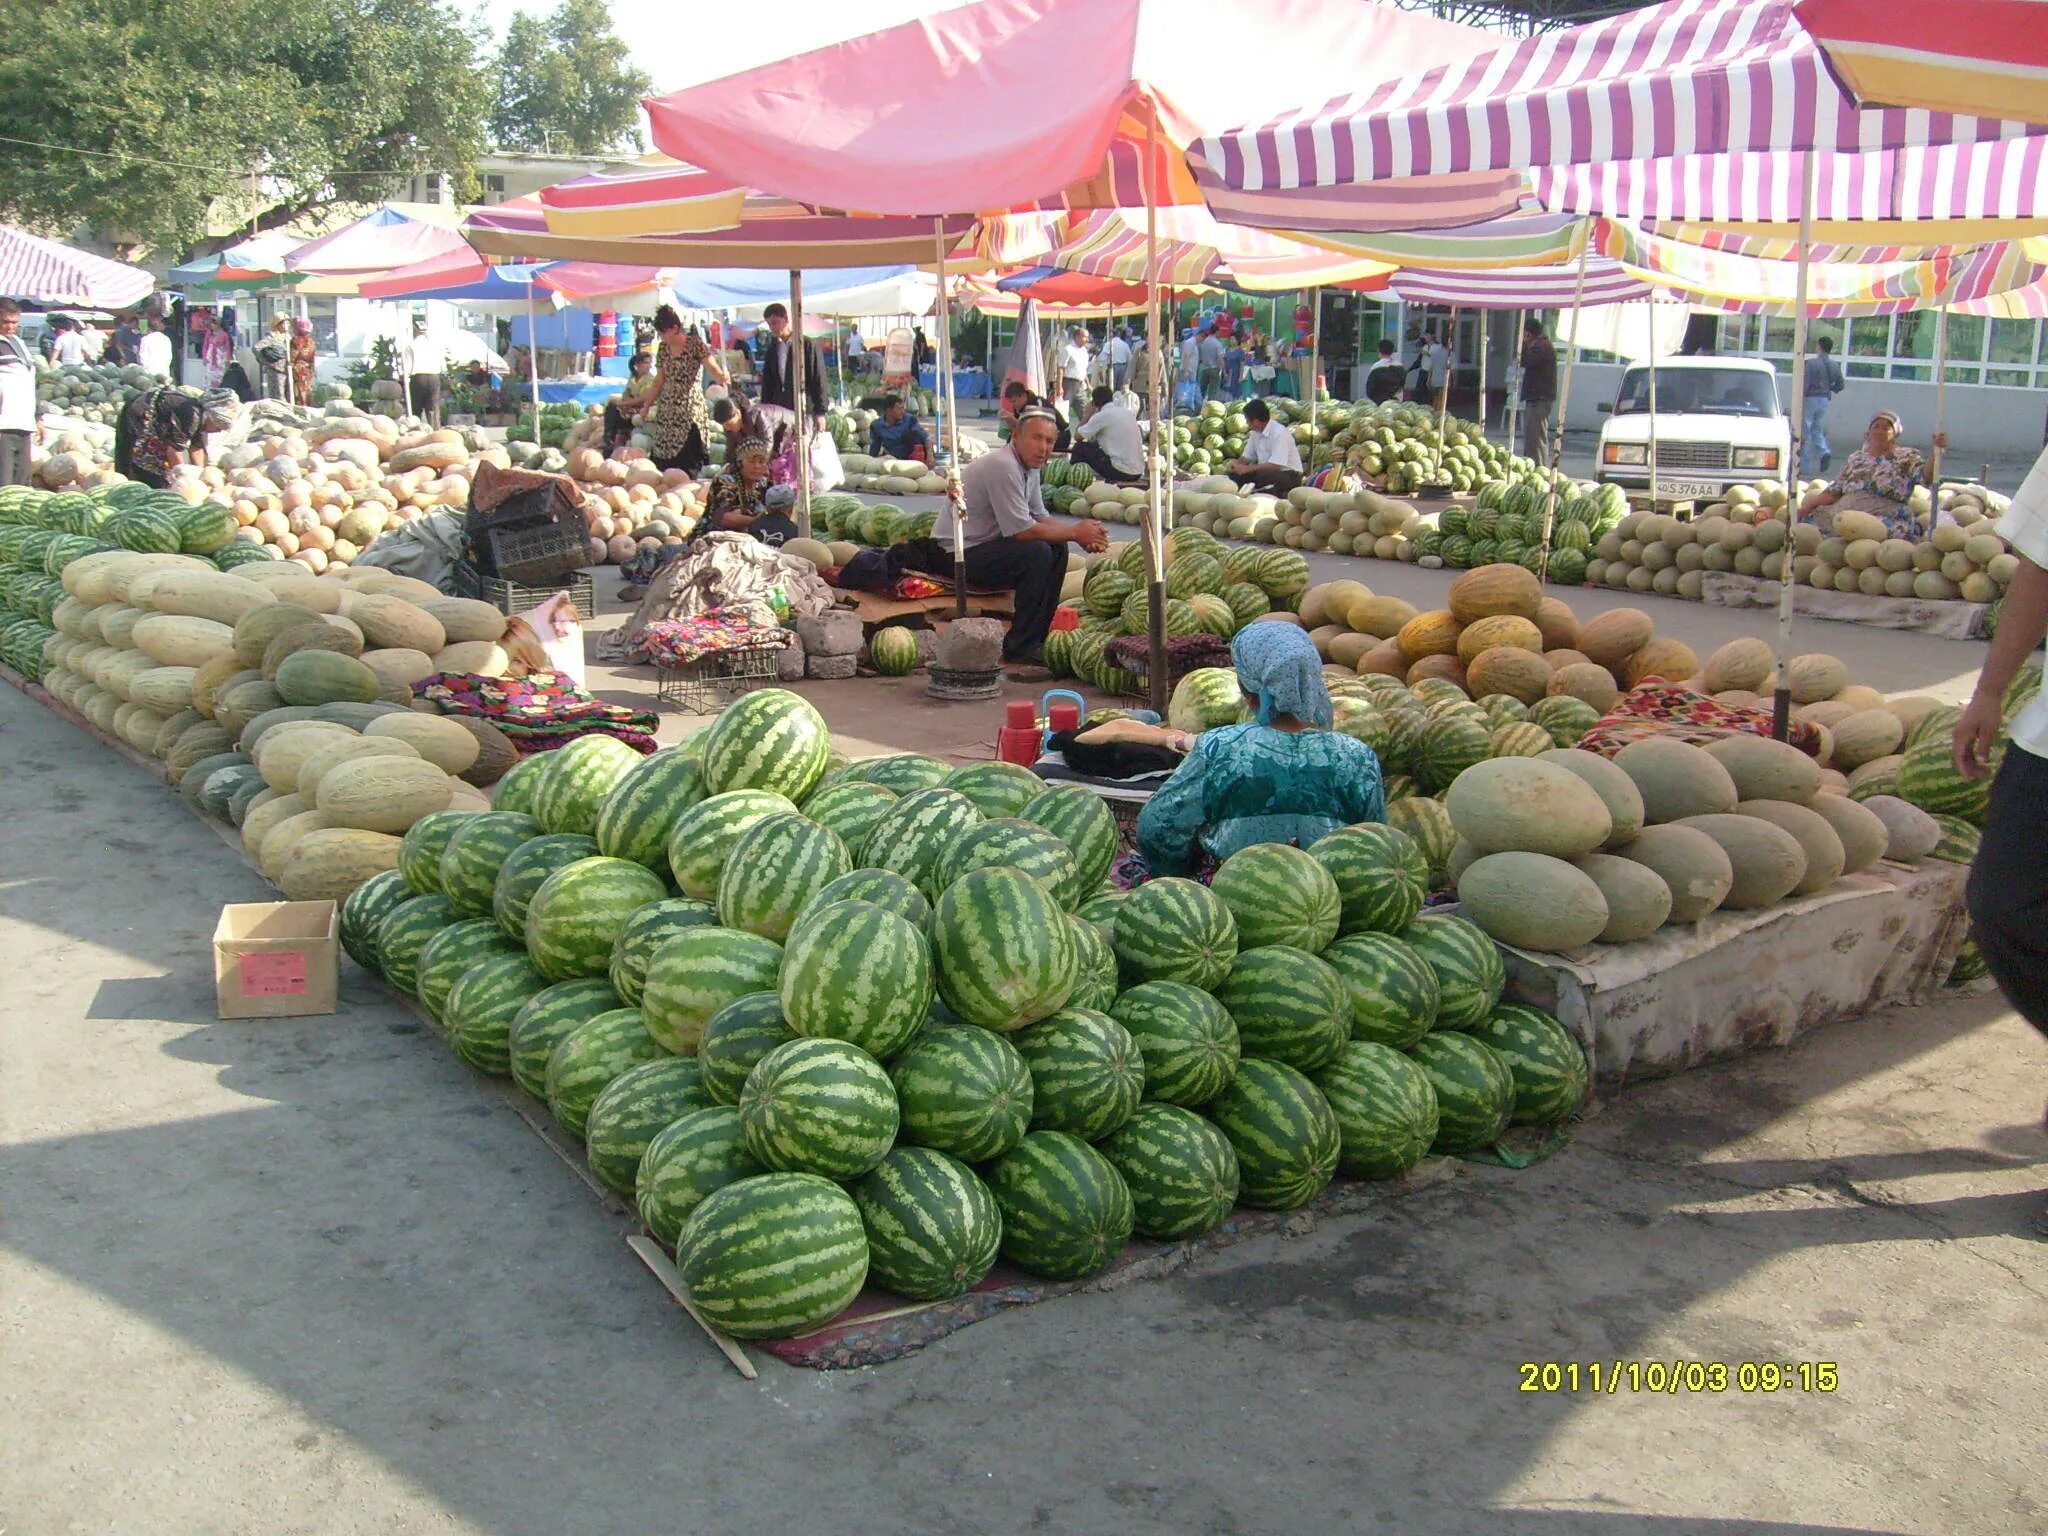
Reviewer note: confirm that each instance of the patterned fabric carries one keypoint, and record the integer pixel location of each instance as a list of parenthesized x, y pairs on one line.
[(538, 712), (1658, 708), (1184, 654), (303, 357), (730, 494), (680, 410), (156, 430), (677, 642), (1245, 784), (1891, 476)]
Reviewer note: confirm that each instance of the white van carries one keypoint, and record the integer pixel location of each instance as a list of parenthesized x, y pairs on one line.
[(1720, 422)]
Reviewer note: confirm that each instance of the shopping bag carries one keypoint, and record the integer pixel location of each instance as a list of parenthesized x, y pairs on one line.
[(827, 473)]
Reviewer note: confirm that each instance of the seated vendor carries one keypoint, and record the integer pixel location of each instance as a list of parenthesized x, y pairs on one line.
[(739, 491), (1879, 479), (896, 434), (1285, 778), (1272, 460), (623, 413), (1109, 440)]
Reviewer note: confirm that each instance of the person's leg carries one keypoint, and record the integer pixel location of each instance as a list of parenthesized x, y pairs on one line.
[(1092, 455), (14, 458), (1812, 440), (2008, 890), (1536, 430), (615, 428), (434, 399), (1275, 482), (1031, 569)]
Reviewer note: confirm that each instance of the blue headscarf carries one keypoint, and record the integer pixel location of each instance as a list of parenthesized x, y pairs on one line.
[(1277, 661)]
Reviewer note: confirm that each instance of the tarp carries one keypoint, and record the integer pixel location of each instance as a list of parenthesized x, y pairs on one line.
[(39, 271), (452, 282), (655, 200), (1194, 248), (386, 239), (774, 235), (1963, 56)]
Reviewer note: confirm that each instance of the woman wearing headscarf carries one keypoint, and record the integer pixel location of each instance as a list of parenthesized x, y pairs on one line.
[(1879, 479), (739, 491), (302, 359), (681, 359), (216, 348), (163, 428), (1285, 777)]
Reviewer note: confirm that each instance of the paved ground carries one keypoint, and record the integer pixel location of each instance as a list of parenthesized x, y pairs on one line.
[(307, 1276)]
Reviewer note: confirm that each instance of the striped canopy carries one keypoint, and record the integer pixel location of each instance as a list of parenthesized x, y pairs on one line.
[(1962, 56), (1532, 239), (40, 271), (1553, 287), (773, 233), (1194, 249), (387, 239), (661, 199)]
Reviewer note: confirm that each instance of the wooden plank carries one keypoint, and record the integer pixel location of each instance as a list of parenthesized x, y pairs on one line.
[(652, 1256)]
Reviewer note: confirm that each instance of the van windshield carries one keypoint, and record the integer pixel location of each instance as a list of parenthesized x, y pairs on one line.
[(1699, 391)]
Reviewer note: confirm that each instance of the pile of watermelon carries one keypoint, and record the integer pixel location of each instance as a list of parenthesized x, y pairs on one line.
[(834, 1022)]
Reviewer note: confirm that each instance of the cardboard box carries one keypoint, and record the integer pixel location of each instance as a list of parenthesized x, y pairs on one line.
[(276, 959)]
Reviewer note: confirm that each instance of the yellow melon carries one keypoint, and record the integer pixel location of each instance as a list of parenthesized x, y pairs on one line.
[(1513, 670), (1495, 589), (1429, 634), (1611, 638)]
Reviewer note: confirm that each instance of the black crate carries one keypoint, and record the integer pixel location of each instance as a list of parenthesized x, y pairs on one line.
[(510, 597), (533, 556)]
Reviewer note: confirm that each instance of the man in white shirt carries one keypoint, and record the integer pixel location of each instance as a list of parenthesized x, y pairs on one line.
[(1119, 351), (1272, 459), (69, 349), (1437, 359), (1074, 371), (423, 362), (17, 397), (154, 350), (1109, 441)]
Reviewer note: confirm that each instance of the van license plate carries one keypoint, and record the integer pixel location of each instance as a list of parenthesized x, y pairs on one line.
[(1685, 490)]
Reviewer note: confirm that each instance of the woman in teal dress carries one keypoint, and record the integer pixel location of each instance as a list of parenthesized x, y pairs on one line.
[(1284, 778)]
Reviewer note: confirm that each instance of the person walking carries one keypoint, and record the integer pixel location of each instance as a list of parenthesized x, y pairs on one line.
[(680, 362), (301, 358), (1539, 389), (1118, 348), (423, 362), (17, 398), (68, 351), (1074, 362), (1209, 352), (1824, 381), (778, 367), (153, 351)]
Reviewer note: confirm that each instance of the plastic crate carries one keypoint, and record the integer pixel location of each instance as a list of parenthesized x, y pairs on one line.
[(708, 684), (510, 597), (537, 554)]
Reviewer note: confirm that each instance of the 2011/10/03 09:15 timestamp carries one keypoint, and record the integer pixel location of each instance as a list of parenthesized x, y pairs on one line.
[(1672, 1377)]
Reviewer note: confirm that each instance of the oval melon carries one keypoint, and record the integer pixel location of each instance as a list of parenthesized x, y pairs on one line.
[(1764, 769), (397, 670), (1617, 791), (392, 623), (1586, 680), (1611, 638), (1379, 616), (282, 836), (1815, 677), (1516, 671), (1910, 833), (383, 794), (1638, 900), (1429, 634), (182, 641), (1532, 901), (1744, 664), (1495, 589), (1866, 736), (440, 741), (332, 753), (329, 863), (1498, 629), (1693, 867), (1528, 805), (1558, 625), (1767, 861), (1444, 668), (284, 750), (325, 677), (1672, 660), (1676, 779), (1822, 848), (255, 630), (465, 619), (1862, 833)]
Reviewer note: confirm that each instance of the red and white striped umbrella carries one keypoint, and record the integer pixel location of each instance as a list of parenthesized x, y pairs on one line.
[(40, 271), (1986, 56)]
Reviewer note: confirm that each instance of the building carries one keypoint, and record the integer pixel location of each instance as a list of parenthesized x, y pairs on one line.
[(502, 176)]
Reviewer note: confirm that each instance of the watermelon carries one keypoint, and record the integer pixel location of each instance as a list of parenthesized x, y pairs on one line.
[(205, 528), (482, 1004), (1382, 878), (877, 887), (419, 851), (1475, 1091), (1959, 840), (1095, 977), (635, 820), (1288, 1005), (903, 774), (933, 1228), (996, 790), (1385, 1108), (1175, 930), (1970, 965), (770, 740), (1066, 1211), (1082, 820), (737, 1036), (545, 1019), (819, 1106), (1087, 1073), (474, 854), (527, 868), (403, 932), (1278, 895), (517, 788), (1450, 746), (963, 1090), (1547, 1064), (577, 915), (851, 810), (634, 1108), (579, 778), (1392, 989), (857, 973), (893, 650), (1428, 825), (365, 907), (586, 1060), (1283, 1132), (773, 1255), (705, 835), (1181, 1171), (1187, 1038), (1099, 912), (778, 864), (912, 836), (1928, 779), (1470, 974), (644, 931), (1012, 843), (1005, 958), (698, 972), (690, 1159), (445, 956)]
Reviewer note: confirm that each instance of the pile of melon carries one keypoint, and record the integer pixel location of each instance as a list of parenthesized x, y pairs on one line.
[(1361, 522), (282, 702), (890, 477)]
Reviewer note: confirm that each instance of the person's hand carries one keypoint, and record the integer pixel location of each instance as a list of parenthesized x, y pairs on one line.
[(1941, 441), (1092, 536), (1976, 734)]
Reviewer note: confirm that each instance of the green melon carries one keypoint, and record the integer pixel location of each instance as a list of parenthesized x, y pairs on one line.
[(1475, 1091), (1087, 1073), (578, 780), (1175, 930), (1283, 1132), (1082, 820), (645, 930), (1470, 973), (449, 953), (737, 1036), (635, 820), (403, 932), (704, 836), (1547, 1064), (526, 869), (482, 1004), (1288, 1005), (545, 1019), (851, 810), (858, 973), (1066, 1210), (1385, 1108), (894, 651), (1005, 958), (1278, 895), (1187, 1038), (1393, 991), (690, 1160), (995, 789), (933, 1227), (576, 917), (877, 887), (819, 1106), (586, 1060), (476, 850), (634, 1108), (425, 841), (771, 740), (774, 1255), (912, 836), (778, 865), (963, 1090), (1381, 876), (364, 908), (1181, 1171), (1095, 972), (696, 973)]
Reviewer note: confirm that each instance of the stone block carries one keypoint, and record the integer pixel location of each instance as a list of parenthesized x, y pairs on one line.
[(789, 666), (831, 668), (837, 633), (971, 645)]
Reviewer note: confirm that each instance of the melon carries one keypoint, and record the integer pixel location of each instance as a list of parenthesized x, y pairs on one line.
[(332, 752), (441, 742), (1677, 780), (392, 623), (1378, 616), (1532, 901), (1910, 833), (1691, 864), (1586, 680), (1744, 664), (1672, 660), (328, 863), (1495, 589), (1514, 671), (1815, 677), (382, 794), (1865, 736), (1638, 900), (1763, 769), (398, 670), (1429, 634), (1558, 625), (1611, 638), (1818, 842), (1767, 861), (1528, 805), (1498, 629), (1617, 791)]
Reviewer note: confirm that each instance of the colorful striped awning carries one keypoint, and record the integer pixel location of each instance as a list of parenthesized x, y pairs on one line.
[(1194, 249), (773, 233), (1519, 240), (661, 199), (49, 272), (1988, 56), (1607, 282)]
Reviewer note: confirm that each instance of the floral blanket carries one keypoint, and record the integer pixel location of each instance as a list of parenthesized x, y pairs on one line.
[(677, 642), (1658, 708), (538, 712)]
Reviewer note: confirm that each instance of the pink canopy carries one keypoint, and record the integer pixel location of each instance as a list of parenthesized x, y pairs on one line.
[(382, 241), (49, 272), (1967, 56)]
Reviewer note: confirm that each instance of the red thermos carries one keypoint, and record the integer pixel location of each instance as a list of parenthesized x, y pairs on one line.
[(1017, 742)]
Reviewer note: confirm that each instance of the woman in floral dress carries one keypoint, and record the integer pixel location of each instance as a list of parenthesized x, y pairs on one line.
[(681, 360), (1879, 479)]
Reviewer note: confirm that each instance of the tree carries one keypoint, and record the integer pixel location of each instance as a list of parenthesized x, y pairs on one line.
[(564, 86), (138, 121)]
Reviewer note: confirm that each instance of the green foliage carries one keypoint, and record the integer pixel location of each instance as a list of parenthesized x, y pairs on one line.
[(564, 85), (380, 362)]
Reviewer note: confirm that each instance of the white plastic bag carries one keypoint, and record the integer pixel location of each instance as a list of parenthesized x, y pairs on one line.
[(827, 474)]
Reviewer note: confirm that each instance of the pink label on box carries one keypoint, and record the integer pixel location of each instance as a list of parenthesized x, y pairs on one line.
[(274, 973)]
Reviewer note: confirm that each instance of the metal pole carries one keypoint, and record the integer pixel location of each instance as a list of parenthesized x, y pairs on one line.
[(1564, 402), (533, 359), (955, 497), (1482, 371), (1650, 310), (1781, 703), (1443, 399), (1315, 368), (1940, 401), (1511, 406), (1155, 510), (796, 397)]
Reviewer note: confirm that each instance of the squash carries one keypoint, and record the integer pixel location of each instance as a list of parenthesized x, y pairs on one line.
[(328, 864), (1767, 861), (1532, 901), (1691, 864), (1638, 900), (384, 794), (282, 837), (1818, 844), (179, 641), (1763, 769), (1527, 805), (1499, 629), (284, 749), (1677, 780), (1611, 638), (1862, 834), (332, 754), (1495, 589), (1617, 791), (1519, 672), (1815, 677), (392, 623), (1910, 833), (440, 741)]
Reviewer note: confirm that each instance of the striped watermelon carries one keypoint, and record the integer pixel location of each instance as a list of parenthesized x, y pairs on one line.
[(996, 789), (1475, 1091), (546, 1019), (365, 907), (403, 932), (644, 932), (857, 973), (1187, 1038), (144, 530), (1385, 1109), (851, 810), (1278, 895), (933, 1228), (1428, 825), (819, 1106), (1928, 778), (1095, 976), (964, 1090), (1081, 819), (698, 972), (1522, 738), (903, 774), (1066, 1210), (1547, 1064), (894, 651), (1181, 1171), (1288, 1006), (482, 1004), (1564, 718), (1381, 876), (738, 1035), (578, 780), (705, 835), (636, 817), (877, 887), (912, 836), (688, 1161), (1099, 912), (1470, 974), (1970, 964), (419, 851), (1012, 843), (1087, 1073), (444, 957), (517, 787), (205, 528), (474, 854), (1450, 746), (1005, 959), (1175, 930), (577, 915), (634, 1108), (1393, 990), (771, 740), (1283, 1132), (774, 1255), (586, 1060), (778, 864), (1959, 840), (527, 868)]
